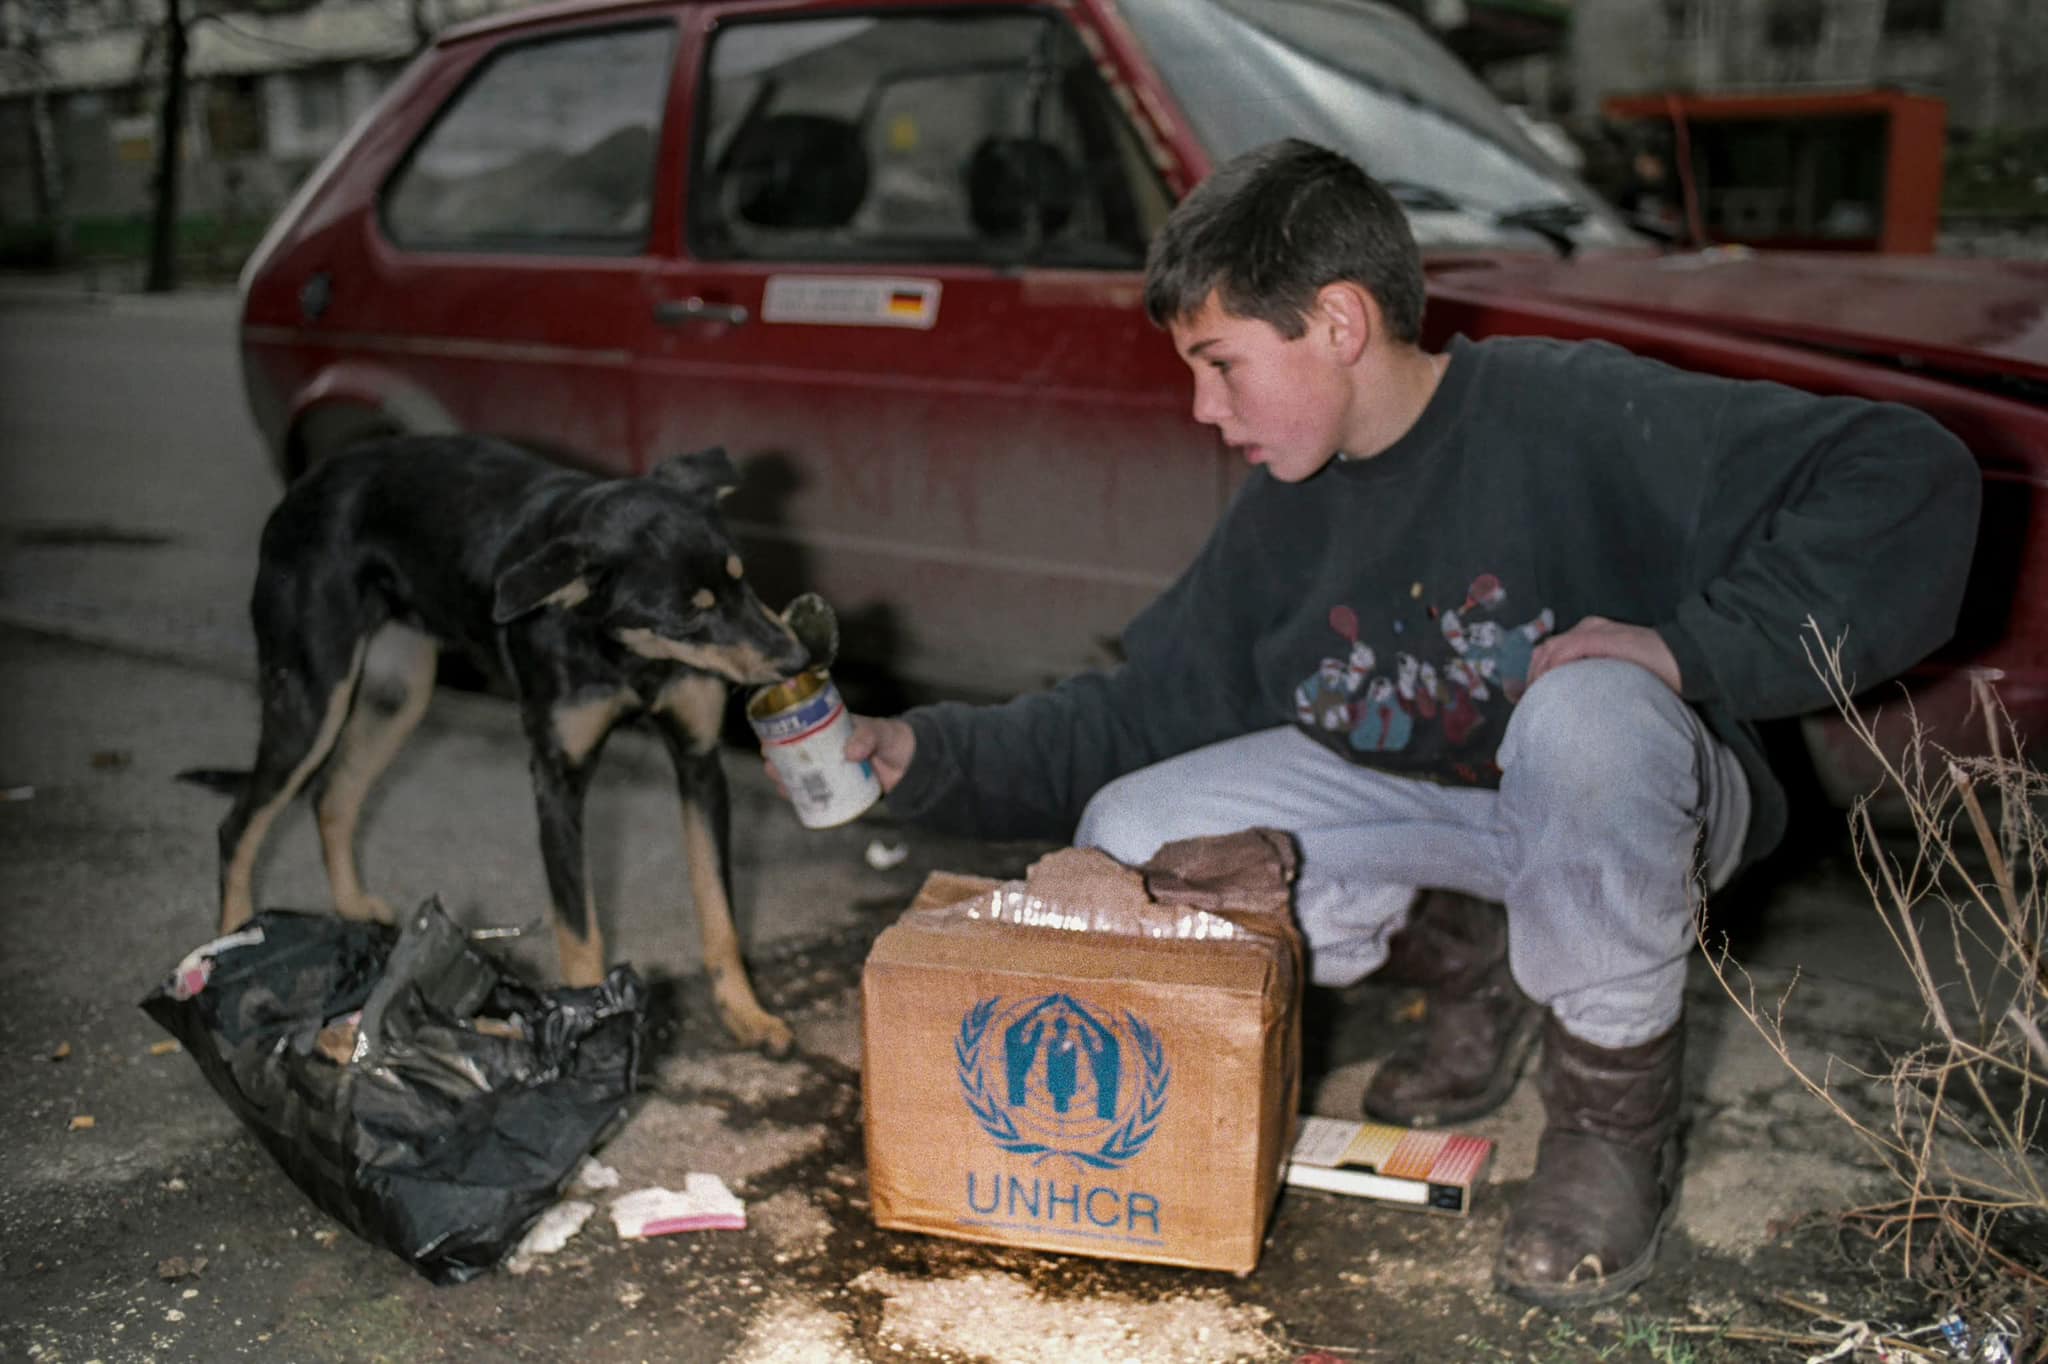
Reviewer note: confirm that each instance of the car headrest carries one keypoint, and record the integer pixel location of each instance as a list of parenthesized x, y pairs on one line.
[(796, 171), (1010, 177)]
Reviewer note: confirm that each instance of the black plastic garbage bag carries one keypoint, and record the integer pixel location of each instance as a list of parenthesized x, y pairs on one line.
[(412, 1087)]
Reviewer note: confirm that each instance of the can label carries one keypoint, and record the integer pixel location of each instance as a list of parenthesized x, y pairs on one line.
[(803, 727)]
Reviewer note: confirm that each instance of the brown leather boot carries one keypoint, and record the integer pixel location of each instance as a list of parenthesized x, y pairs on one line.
[(1478, 1026), (1585, 1228)]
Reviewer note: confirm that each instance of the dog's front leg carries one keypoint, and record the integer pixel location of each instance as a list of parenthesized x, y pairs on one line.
[(564, 752), (689, 713)]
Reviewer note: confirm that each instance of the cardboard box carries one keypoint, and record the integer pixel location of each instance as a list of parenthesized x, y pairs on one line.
[(1099, 1060)]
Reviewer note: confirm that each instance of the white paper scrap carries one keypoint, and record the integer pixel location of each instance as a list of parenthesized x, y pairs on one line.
[(704, 1204), (189, 977), (550, 1233), (592, 1177), (882, 855)]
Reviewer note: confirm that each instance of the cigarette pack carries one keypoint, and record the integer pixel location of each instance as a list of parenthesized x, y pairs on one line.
[(1430, 1170)]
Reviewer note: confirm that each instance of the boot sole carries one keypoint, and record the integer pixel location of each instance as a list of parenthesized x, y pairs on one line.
[(1569, 1297), (1514, 1059)]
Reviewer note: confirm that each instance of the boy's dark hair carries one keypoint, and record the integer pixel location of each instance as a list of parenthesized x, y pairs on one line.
[(1272, 226)]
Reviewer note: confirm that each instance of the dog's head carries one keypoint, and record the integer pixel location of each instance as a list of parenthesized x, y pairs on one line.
[(649, 559)]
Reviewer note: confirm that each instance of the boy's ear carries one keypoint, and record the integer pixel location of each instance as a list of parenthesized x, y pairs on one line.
[(1348, 317), (556, 574), (705, 475)]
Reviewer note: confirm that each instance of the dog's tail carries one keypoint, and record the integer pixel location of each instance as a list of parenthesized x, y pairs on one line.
[(226, 781)]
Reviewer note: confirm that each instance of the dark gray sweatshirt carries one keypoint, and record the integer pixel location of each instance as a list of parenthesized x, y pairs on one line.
[(1388, 606)]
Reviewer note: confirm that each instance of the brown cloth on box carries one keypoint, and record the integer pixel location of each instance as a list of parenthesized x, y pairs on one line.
[(1246, 878), (1247, 873), (1243, 877), (1087, 877)]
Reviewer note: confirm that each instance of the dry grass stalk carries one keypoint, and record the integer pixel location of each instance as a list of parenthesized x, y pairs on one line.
[(1960, 1138)]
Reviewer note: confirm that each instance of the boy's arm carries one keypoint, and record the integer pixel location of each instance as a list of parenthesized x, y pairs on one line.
[(1870, 536), (1027, 767)]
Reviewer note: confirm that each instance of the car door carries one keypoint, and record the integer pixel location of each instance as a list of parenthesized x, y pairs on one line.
[(510, 244), (909, 303)]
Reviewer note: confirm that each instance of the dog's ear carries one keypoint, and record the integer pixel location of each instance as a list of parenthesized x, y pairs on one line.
[(556, 574), (706, 475)]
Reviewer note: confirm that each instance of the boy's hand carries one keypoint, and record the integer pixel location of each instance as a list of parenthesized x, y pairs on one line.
[(888, 744), (1599, 637)]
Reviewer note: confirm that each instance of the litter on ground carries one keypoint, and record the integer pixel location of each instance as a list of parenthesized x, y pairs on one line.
[(703, 1204), (550, 1233)]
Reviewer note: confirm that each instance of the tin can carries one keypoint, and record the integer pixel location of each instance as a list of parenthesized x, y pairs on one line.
[(803, 727)]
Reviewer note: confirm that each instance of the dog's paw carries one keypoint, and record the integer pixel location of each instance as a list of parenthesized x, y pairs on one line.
[(763, 1032)]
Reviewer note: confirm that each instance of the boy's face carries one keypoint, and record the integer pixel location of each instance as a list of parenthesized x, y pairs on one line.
[(1279, 403)]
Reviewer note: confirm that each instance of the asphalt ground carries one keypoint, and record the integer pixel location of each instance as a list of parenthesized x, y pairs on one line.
[(130, 492), (106, 871)]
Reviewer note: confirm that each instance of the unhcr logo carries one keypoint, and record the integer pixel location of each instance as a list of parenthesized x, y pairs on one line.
[(1051, 1077)]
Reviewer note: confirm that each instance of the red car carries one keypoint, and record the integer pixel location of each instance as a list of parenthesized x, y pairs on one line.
[(889, 255)]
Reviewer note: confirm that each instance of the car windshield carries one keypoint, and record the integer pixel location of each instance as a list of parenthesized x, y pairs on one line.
[(1362, 78)]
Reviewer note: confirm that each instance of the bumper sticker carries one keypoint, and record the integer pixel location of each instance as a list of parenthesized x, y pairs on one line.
[(850, 301)]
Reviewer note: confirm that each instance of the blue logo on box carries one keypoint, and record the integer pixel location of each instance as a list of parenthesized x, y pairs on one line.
[(1051, 1077)]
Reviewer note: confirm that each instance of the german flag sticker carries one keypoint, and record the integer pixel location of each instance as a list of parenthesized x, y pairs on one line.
[(850, 301)]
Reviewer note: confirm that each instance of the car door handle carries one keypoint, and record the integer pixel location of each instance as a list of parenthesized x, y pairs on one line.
[(671, 313)]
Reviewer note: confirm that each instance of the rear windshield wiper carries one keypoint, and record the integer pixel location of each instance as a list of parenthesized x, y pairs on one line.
[(1550, 219), (1409, 194)]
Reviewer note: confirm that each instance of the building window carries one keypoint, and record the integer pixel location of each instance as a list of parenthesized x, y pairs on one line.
[(1795, 23), (234, 116), (1913, 18), (317, 95)]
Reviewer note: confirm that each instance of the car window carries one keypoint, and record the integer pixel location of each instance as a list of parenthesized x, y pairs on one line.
[(1366, 79), (549, 146), (932, 137)]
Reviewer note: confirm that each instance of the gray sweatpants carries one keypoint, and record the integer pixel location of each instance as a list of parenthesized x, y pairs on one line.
[(1613, 796)]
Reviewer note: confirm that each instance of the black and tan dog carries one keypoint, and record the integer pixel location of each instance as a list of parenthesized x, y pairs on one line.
[(598, 599)]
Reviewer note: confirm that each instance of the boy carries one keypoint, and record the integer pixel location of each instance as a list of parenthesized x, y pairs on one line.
[(1491, 626)]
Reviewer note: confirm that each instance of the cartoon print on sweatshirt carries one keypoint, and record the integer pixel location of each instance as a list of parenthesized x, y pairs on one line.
[(1325, 699), (1386, 712), (1463, 691), (1381, 724), (1498, 653), (1386, 718), (1415, 684)]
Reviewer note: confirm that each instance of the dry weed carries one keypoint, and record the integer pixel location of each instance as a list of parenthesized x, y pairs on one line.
[(1963, 902)]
